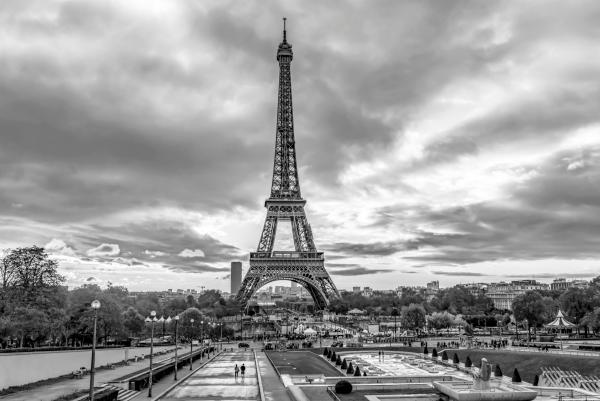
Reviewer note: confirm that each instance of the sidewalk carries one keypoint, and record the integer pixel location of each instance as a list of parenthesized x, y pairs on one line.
[(272, 385), (52, 391)]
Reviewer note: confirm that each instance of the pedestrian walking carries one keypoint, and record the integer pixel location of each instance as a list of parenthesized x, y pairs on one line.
[(236, 370), (243, 369)]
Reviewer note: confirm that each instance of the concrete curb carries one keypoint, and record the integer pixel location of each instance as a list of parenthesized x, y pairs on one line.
[(261, 391)]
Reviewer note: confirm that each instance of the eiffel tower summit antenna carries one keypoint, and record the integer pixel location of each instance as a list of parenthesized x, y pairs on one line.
[(305, 265)]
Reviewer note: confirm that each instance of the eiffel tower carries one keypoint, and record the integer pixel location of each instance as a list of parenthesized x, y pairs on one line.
[(305, 265)]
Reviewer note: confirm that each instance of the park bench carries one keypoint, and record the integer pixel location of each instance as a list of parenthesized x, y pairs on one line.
[(77, 374)]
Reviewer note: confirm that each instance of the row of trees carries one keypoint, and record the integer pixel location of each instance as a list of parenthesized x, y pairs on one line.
[(581, 305), (36, 308), (455, 300)]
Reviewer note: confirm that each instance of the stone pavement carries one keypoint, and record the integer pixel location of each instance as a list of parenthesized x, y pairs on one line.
[(274, 390), (216, 380), (49, 392)]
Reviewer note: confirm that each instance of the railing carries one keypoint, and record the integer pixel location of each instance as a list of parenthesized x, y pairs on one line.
[(553, 351), (286, 255)]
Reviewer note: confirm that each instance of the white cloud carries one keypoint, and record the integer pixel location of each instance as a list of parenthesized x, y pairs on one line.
[(104, 250), (154, 254), (188, 253), (59, 247)]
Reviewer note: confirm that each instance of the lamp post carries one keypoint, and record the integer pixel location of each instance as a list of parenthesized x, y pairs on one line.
[(95, 307), (176, 318), (191, 341), (152, 319), (201, 337)]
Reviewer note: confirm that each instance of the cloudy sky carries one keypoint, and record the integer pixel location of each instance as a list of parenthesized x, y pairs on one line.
[(456, 141)]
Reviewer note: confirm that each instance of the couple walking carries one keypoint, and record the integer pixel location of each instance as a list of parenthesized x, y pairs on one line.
[(238, 369)]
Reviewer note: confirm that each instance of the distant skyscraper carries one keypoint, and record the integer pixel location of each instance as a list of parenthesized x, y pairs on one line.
[(236, 276)]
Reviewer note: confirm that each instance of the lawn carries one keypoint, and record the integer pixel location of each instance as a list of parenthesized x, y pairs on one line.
[(530, 363), (302, 363)]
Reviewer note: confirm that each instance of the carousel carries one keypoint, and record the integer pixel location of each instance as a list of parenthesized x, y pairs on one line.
[(560, 326)]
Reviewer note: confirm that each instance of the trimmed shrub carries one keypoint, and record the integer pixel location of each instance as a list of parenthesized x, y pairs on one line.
[(350, 369), (444, 356), (357, 371), (468, 362), (364, 373), (338, 361), (497, 371), (343, 387), (425, 350), (536, 380), (455, 359), (434, 353), (516, 378), (344, 364), (329, 353), (333, 356), (325, 351)]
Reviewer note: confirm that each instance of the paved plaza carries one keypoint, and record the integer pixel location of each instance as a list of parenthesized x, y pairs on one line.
[(216, 380)]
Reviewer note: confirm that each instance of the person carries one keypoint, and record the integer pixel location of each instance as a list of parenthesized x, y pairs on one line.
[(236, 370), (243, 369)]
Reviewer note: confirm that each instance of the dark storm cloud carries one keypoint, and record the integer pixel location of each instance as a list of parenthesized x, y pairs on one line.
[(111, 107), (358, 271), (366, 249), (155, 241), (555, 214), (352, 269), (550, 275), (459, 274)]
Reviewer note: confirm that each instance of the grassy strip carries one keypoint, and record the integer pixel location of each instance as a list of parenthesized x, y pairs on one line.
[(72, 396), (53, 380), (530, 363)]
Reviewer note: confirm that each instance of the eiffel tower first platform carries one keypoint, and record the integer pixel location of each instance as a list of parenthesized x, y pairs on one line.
[(305, 265)]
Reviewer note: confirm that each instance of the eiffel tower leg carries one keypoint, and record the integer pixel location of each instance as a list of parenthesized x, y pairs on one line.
[(268, 235)]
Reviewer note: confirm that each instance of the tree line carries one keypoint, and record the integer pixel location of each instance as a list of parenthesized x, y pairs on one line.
[(37, 309)]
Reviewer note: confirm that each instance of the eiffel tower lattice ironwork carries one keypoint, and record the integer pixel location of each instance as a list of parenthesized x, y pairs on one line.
[(305, 265)]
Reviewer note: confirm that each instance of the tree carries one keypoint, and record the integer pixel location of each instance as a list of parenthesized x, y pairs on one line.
[(576, 303), (591, 320), (530, 307), (187, 328), (516, 377), (133, 321), (497, 371), (413, 316), (30, 268), (440, 320), (468, 362)]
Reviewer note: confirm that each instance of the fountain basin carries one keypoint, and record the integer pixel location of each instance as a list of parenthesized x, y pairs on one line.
[(498, 391)]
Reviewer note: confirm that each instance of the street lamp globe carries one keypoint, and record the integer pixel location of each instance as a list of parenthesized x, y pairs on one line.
[(95, 304), (153, 313), (176, 317), (192, 320)]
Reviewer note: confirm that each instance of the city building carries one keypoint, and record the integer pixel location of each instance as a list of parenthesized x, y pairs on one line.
[(236, 277), (561, 284), (503, 294), (433, 286)]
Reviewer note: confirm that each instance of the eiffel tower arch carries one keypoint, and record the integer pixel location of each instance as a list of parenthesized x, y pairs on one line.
[(305, 265)]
